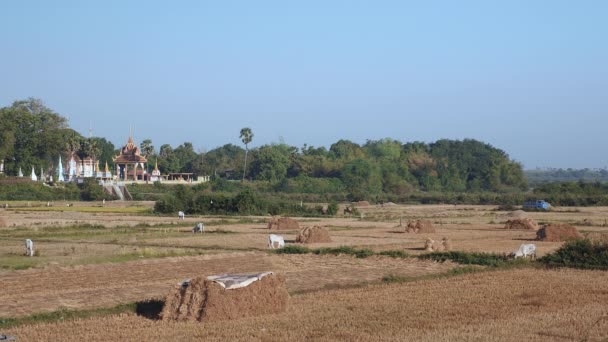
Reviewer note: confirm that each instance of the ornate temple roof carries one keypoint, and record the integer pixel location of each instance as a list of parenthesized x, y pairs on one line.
[(129, 154)]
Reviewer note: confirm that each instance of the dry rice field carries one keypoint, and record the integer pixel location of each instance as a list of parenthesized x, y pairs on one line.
[(90, 258)]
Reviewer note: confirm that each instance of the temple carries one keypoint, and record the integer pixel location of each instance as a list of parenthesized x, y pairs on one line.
[(130, 165)]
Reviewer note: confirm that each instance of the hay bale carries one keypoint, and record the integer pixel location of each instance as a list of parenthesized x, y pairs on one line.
[(447, 244), (431, 245), (557, 232), (282, 223), (428, 245), (524, 223), (313, 234), (361, 204), (420, 226), (204, 300)]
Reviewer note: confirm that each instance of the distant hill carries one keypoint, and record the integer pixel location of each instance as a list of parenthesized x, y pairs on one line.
[(542, 176)]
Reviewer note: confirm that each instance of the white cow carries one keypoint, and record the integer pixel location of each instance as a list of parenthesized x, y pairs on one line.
[(200, 227), (525, 251), (272, 238), (181, 215), (29, 247)]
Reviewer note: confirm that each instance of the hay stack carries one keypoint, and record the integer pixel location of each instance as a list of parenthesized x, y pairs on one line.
[(438, 246), (282, 223), (523, 223), (557, 232), (206, 301), (420, 226), (313, 234)]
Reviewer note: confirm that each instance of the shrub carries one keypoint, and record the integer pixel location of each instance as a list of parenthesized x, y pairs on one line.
[(581, 253), (293, 250), (486, 259), (394, 254), (332, 208)]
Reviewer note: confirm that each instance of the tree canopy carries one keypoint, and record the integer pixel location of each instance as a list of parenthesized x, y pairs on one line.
[(33, 135)]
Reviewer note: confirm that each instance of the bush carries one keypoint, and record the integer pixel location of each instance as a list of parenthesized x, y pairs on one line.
[(293, 250), (90, 190), (486, 259), (581, 253)]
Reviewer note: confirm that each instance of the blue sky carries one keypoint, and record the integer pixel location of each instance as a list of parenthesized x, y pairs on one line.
[(529, 77)]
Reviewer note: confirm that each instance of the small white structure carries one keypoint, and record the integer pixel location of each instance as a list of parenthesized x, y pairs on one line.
[(34, 177), (60, 177), (199, 228), (181, 215), (20, 174), (29, 247), (275, 239), (525, 251)]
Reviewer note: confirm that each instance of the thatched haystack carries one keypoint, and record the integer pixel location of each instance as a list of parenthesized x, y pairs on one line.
[(205, 300), (517, 214), (523, 223), (420, 226), (557, 232), (361, 204), (282, 223), (438, 246), (313, 234)]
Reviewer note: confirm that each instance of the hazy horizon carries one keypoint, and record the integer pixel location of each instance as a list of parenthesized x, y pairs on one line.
[(528, 78)]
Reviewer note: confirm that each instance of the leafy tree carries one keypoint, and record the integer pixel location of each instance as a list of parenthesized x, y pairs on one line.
[(246, 137), (146, 148), (362, 179), (271, 163)]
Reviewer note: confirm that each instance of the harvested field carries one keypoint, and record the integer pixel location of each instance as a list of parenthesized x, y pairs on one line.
[(42, 290), (503, 305), (98, 257)]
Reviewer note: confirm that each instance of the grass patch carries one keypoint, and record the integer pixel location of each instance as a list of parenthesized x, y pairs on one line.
[(347, 250), (149, 308), (396, 279), (293, 249), (120, 210), (581, 253), (64, 314), (484, 259), (394, 254), (358, 253)]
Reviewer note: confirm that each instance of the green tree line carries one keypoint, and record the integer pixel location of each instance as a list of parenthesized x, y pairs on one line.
[(33, 135)]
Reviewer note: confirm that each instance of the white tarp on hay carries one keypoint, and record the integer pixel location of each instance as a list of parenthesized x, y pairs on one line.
[(235, 281)]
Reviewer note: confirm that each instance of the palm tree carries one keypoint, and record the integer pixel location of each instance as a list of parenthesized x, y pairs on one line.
[(246, 137)]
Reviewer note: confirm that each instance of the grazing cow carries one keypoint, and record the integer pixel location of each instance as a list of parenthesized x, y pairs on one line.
[(29, 247), (272, 238), (200, 227), (525, 251), (69, 205), (181, 215), (348, 210)]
